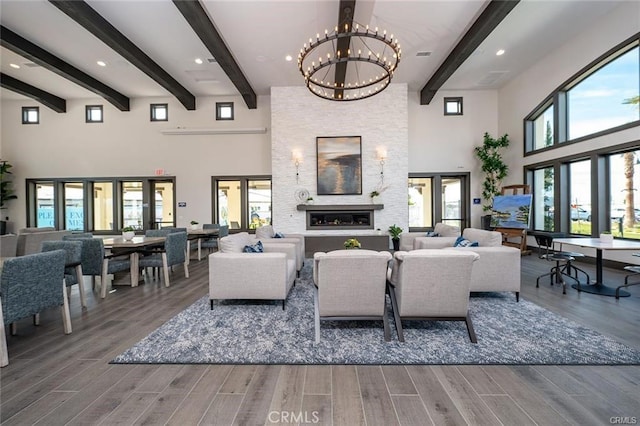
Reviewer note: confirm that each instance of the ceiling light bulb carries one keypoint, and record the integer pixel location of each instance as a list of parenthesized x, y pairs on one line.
[(288, 58), (101, 63), (500, 52), (16, 66), (198, 61)]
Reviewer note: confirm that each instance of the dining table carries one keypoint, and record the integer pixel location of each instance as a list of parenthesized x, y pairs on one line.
[(599, 287), (133, 247), (201, 234)]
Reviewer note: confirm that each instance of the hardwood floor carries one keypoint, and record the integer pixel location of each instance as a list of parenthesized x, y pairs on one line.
[(56, 379)]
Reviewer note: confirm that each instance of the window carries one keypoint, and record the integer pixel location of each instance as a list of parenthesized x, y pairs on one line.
[(601, 101), (224, 110), (624, 181), (242, 203), (453, 106), (598, 99), (30, 115), (580, 197), (159, 112), (543, 208), (438, 198), (93, 113), (89, 204)]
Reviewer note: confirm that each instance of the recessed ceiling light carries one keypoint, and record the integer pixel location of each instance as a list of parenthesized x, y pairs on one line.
[(102, 63), (500, 52), (16, 66), (198, 61), (288, 58)]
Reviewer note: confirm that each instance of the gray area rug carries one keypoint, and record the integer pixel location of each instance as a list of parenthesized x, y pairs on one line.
[(257, 332)]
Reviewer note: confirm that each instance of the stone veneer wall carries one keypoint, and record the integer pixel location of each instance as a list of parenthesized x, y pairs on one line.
[(298, 117)]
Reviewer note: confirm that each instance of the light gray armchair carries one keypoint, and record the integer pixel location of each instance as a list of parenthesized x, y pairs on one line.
[(350, 285), (234, 274), (8, 245), (28, 285), (433, 285)]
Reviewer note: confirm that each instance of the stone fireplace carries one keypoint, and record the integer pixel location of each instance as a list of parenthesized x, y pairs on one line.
[(340, 217)]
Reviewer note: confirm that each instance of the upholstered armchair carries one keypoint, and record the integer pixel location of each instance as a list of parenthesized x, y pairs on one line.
[(431, 285), (174, 252), (73, 263), (267, 233), (350, 285), (28, 285), (234, 274)]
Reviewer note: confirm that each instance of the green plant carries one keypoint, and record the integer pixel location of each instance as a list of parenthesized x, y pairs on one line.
[(309, 198), (493, 166), (606, 232), (395, 232), (128, 229), (352, 243), (194, 222), (374, 194), (6, 186)]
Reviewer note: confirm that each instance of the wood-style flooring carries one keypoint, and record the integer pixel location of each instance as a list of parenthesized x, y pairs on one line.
[(53, 379)]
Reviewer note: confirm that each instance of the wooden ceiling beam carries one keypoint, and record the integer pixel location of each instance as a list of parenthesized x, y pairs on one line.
[(488, 20), (345, 16), (38, 55), (198, 19), (93, 22), (52, 101)]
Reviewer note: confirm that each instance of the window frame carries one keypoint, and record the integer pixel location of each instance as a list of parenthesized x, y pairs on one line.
[(559, 99), (244, 199), (25, 115), (153, 109), (456, 100), (88, 116), (220, 106)]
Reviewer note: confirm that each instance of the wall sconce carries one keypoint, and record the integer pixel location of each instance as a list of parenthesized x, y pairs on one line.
[(381, 153), (296, 156)]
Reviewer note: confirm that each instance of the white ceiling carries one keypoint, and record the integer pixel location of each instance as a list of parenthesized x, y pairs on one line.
[(260, 33)]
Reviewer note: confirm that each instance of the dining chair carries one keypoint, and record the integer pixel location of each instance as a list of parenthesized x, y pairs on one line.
[(28, 285), (635, 270), (172, 253), (213, 243), (563, 260), (73, 263)]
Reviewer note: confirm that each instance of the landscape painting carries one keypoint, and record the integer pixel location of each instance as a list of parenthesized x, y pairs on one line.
[(511, 211), (339, 165)]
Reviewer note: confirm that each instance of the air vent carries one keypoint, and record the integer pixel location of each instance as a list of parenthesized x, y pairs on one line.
[(212, 60), (423, 54), (31, 65)]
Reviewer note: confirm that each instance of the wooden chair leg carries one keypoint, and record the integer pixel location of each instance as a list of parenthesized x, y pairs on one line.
[(66, 315), (104, 282), (36, 319), (83, 300), (4, 354), (165, 269), (14, 328)]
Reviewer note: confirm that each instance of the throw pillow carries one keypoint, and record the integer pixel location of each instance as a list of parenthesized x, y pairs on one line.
[(255, 248), (432, 234), (463, 242), (278, 235)]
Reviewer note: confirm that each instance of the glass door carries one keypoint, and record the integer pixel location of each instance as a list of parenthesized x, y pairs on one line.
[(162, 204)]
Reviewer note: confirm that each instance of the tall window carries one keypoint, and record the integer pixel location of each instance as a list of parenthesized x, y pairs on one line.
[(580, 197), (74, 206), (437, 198), (103, 206), (543, 199), (242, 203), (132, 214), (624, 178), (602, 100), (45, 208), (543, 129)]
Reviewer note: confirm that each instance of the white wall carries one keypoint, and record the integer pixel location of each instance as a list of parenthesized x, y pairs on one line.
[(298, 117), (128, 144)]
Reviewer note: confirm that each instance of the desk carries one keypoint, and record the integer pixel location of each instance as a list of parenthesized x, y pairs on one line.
[(200, 234), (599, 287), (132, 247)]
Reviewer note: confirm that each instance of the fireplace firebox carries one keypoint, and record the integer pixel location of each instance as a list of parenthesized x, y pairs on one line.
[(330, 217)]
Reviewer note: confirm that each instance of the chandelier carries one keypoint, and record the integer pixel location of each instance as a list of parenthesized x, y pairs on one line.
[(350, 63)]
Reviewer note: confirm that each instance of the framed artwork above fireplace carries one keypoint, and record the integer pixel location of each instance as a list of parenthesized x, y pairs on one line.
[(339, 165)]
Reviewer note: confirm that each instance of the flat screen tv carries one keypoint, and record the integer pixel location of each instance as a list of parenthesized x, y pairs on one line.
[(511, 211)]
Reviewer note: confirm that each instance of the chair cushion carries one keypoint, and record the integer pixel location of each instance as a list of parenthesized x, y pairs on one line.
[(255, 248), (264, 232), (235, 243), (446, 230), (463, 242)]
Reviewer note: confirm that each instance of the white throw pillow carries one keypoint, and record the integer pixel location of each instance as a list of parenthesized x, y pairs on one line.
[(234, 243)]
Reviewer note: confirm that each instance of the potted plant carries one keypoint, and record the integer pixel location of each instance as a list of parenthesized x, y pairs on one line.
[(194, 224), (128, 233), (495, 170), (352, 243), (375, 196), (6, 191), (606, 237), (395, 232), (310, 200)]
